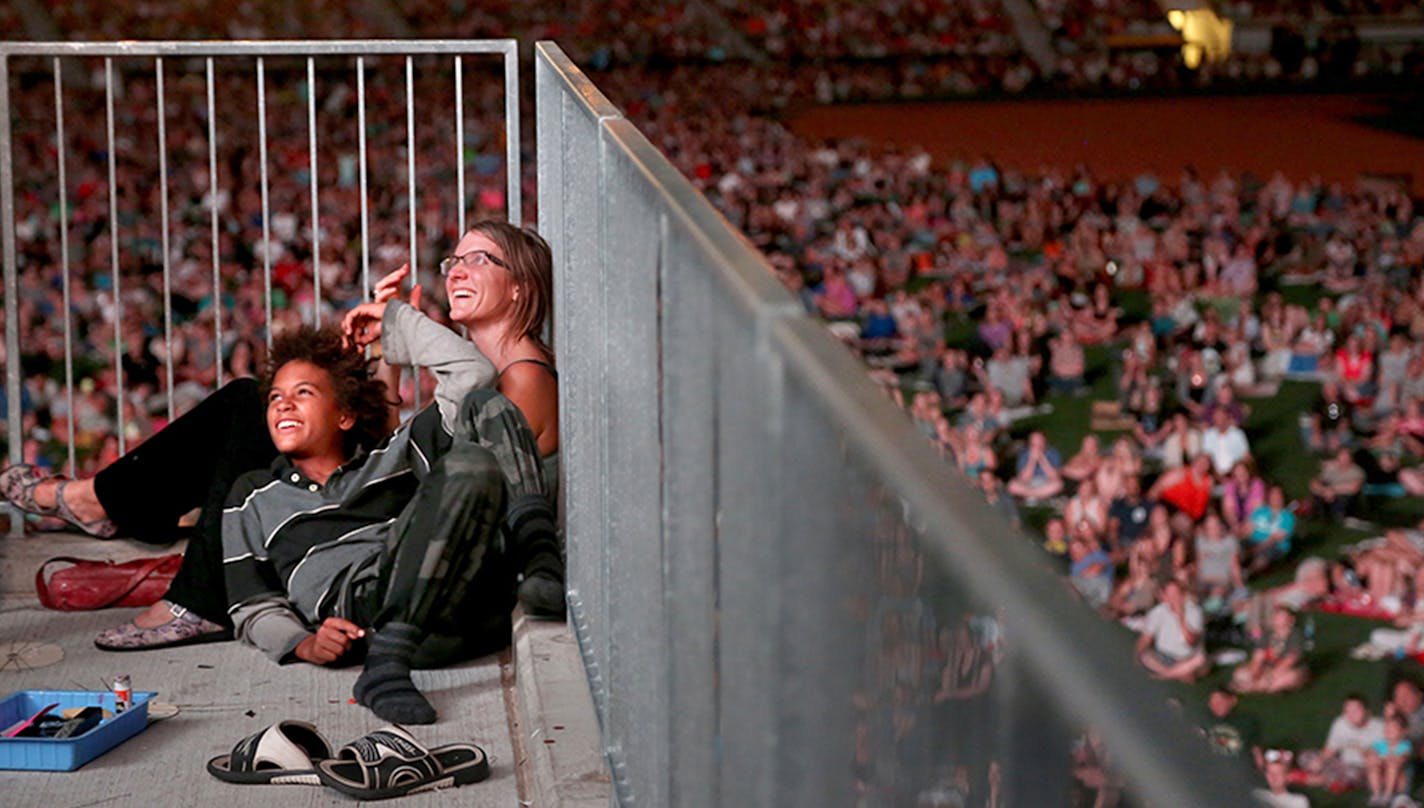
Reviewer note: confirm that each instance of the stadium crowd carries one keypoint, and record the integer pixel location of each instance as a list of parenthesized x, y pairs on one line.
[(976, 294)]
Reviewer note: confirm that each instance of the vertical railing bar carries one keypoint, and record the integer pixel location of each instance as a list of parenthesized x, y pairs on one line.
[(163, 216), (315, 200), (213, 207), (64, 281), (365, 215), (12, 287), (114, 255), (460, 145), (411, 191), (515, 204), (266, 198)]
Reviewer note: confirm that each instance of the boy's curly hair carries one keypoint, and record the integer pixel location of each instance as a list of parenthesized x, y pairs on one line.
[(357, 392)]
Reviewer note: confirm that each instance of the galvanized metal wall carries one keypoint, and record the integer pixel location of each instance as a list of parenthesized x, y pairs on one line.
[(768, 564)]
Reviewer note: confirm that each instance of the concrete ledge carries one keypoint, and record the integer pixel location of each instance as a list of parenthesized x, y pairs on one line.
[(557, 743)]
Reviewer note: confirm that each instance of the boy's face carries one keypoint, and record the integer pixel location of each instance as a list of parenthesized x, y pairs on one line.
[(303, 414)]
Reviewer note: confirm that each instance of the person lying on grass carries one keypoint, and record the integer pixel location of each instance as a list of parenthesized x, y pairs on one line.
[(355, 535)]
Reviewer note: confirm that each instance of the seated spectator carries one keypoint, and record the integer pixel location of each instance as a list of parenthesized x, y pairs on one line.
[(1311, 343), (1340, 764), (1337, 485), (951, 377), (1269, 531), (1092, 571), (1187, 489), (1094, 783), (1194, 379), (1138, 591), (1117, 466), (1128, 516), (1329, 424), (1085, 507), (1355, 368), (979, 414), (1311, 584), (1276, 344), (1407, 701), (997, 498), (835, 298), (1218, 565), (1243, 492), (974, 453), (1135, 384), (1407, 636), (878, 329), (1230, 732), (1065, 363), (1224, 398), (1010, 374), (1276, 793), (1037, 476), (1098, 322), (1055, 536), (1084, 463), (1277, 663), (1389, 768), (1170, 644), (1224, 442), (1175, 444), (1382, 455), (1393, 363)]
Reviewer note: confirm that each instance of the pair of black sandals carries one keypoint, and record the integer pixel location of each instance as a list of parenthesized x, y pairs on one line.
[(382, 764)]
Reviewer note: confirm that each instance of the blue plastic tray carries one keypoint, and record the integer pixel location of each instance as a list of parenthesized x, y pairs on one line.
[(67, 754)]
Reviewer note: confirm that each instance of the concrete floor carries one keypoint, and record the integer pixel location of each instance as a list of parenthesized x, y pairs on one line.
[(225, 692)]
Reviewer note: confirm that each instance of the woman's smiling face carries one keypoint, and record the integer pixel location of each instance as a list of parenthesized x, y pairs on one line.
[(478, 288)]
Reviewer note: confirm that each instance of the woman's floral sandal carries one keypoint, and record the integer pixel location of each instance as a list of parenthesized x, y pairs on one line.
[(102, 528), (185, 628), (18, 484)]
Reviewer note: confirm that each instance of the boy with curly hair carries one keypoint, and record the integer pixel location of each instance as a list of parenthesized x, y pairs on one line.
[(359, 534)]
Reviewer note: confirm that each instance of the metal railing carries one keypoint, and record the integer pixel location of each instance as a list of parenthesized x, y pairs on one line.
[(211, 78), (782, 595)]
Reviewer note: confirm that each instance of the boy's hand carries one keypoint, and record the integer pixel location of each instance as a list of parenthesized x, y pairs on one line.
[(330, 642)]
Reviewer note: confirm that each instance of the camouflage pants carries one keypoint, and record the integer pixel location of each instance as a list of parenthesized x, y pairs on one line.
[(445, 569)]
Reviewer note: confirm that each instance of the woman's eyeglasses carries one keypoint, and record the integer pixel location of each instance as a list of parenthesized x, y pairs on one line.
[(471, 259)]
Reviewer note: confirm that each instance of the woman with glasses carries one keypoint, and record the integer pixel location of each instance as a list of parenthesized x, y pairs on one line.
[(499, 287)]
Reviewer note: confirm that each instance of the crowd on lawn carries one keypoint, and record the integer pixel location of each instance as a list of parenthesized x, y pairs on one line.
[(1163, 517)]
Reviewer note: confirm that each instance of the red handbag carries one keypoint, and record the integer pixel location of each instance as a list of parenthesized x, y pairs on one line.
[(88, 584)]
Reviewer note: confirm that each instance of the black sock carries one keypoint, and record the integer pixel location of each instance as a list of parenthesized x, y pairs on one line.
[(385, 686), (534, 539), (538, 559)]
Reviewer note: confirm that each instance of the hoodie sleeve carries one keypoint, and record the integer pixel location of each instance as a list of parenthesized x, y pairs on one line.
[(410, 338)]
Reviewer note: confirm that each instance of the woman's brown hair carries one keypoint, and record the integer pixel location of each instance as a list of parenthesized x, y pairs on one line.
[(530, 264)]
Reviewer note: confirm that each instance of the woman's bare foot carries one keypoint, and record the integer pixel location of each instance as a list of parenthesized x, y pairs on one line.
[(154, 616), (78, 495), (82, 501)]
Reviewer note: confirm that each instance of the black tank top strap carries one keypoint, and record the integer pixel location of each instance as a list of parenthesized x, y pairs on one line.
[(541, 363)]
